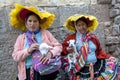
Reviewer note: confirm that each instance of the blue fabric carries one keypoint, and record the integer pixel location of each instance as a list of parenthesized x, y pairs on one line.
[(38, 36), (79, 42), (91, 54), (35, 32)]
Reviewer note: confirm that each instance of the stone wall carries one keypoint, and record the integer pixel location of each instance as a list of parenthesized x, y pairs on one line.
[(8, 67), (46, 2), (62, 9), (112, 28)]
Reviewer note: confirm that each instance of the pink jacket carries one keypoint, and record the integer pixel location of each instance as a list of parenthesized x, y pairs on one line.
[(19, 54)]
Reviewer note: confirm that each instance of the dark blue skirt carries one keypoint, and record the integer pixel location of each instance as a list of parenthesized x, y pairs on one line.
[(99, 67), (37, 76)]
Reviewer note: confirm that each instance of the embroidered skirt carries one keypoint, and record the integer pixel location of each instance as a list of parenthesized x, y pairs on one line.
[(99, 72)]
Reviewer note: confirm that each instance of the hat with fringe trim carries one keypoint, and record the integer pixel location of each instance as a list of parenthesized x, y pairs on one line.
[(89, 19), (18, 15)]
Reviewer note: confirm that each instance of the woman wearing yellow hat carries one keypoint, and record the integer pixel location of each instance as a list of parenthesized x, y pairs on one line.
[(90, 58), (31, 64)]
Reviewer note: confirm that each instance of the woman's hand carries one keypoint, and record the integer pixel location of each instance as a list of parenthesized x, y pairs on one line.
[(33, 47), (70, 49), (46, 59)]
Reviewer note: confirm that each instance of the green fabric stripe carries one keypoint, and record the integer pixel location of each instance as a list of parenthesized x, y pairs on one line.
[(83, 60), (49, 68), (80, 63)]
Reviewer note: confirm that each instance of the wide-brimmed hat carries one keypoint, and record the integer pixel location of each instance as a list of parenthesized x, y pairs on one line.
[(89, 19), (18, 15)]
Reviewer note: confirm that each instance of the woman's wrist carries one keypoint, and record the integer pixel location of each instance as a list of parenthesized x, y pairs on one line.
[(28, 50), (50, 53)]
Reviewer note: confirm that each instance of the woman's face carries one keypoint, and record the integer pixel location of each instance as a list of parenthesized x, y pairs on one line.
[(81, 27), (32, 23)]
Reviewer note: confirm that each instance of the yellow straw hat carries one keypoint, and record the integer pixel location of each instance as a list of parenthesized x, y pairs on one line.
[(18, 15), (91, 20)]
